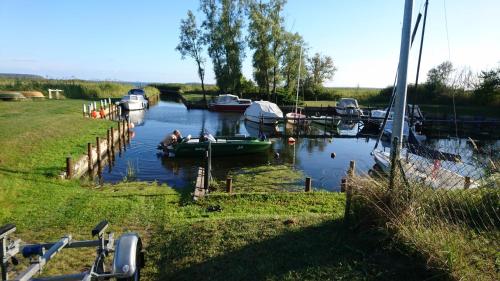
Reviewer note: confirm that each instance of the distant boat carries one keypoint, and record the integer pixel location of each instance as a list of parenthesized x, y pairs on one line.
[(297, 118), (230, 103), (264, 112), (134, 100), (220, 146), (379, 114), (325, 120), (348, 107)]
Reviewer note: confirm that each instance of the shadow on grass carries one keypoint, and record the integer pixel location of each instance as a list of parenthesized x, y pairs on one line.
[(271, 250)]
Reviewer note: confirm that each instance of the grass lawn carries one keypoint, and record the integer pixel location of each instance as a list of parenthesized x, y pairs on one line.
[(254, 235)]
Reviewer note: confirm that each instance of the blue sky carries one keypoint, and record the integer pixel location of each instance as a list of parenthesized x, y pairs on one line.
[(135, 40)]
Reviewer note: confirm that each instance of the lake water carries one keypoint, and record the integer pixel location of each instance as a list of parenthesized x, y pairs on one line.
[(312, 156)]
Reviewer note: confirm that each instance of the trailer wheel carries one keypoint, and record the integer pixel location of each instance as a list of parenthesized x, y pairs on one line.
[(139, 257)]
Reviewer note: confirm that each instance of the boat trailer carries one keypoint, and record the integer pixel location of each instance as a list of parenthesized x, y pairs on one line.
[(128, 258)]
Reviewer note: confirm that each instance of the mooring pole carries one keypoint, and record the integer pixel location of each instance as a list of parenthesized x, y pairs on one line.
[(89, 152), (308, 185), (229, 185), (69, 167)]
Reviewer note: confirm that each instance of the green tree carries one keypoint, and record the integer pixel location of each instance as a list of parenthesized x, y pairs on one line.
[(321, 68), (266, 38), (277, 34), (259, 39), (293, 43), (488, 90), (223, 23), (439, 76), (191, 44)]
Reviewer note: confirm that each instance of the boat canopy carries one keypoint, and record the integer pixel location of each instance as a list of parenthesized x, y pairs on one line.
[(136, 92), (227, 98), (348, 103), (264, 109)]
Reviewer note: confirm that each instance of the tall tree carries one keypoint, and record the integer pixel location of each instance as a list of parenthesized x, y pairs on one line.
[(440, 75), (277, 32), (259, 39), (321, 68), (223, 23), (266, 38), (293, 43), (191, 44)]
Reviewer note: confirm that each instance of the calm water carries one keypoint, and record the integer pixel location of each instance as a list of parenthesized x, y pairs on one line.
[(312, 156)]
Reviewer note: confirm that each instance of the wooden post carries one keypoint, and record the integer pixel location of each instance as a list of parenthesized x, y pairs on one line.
[(343, 184), (69, 167), (84, 110), (119, 136), (467, 182), (308, 185), (108, 140), (352, 167), (89, 153), (112, 144), (98, 146), (348, 189), (229, 185)]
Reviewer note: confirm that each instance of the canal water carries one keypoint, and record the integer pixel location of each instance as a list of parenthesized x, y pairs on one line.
[(311, 156)]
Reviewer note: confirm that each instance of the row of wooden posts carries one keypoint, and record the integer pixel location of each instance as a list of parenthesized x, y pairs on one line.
[(103, 148), (345, 187), (101, 109)]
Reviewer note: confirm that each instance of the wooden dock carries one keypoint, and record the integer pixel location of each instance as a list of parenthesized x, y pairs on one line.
[(199, 189)]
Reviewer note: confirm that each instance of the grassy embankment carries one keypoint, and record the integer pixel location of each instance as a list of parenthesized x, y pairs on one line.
[(275, 236), (75, 89), (456, 230)]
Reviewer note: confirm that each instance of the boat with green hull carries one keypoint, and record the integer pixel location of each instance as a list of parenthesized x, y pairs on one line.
[(220, 146)]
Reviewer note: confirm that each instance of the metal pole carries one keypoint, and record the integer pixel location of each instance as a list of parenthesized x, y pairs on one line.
[(412, 113), (298, 81), (399, 109)]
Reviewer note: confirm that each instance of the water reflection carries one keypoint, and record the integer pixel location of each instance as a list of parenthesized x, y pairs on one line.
[(312, 156)]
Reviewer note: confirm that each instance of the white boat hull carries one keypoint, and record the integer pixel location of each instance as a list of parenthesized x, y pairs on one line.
[(424, 172), (297, 119), (132, 105)]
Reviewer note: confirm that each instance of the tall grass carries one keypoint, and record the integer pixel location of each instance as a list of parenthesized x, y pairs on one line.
[(75, 89), (456, 230)]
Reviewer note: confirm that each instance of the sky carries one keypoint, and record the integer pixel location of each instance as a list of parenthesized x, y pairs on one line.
[(135, 40)]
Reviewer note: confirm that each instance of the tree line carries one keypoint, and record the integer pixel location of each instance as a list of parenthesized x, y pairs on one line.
[(447, 83), (277, 52)]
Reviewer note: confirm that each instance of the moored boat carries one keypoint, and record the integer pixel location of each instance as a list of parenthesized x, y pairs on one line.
[(230, 103), (296, 118), (328, 120), (134, 100), (264, 112), (220, 146), (348, 107)]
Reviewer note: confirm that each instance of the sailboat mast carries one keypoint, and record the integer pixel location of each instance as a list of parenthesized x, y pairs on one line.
[(400, 105), (298, 82)]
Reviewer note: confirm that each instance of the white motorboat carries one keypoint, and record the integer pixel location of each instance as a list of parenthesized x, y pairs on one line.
[(379, 114), (264, 112), (134, 100), (348, 107), (230, 103)]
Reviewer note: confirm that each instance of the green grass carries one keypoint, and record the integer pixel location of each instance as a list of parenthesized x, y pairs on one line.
[(254, 235), (77, 89)]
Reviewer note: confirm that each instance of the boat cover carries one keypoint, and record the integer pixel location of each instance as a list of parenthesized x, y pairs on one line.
[(265, 109)]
